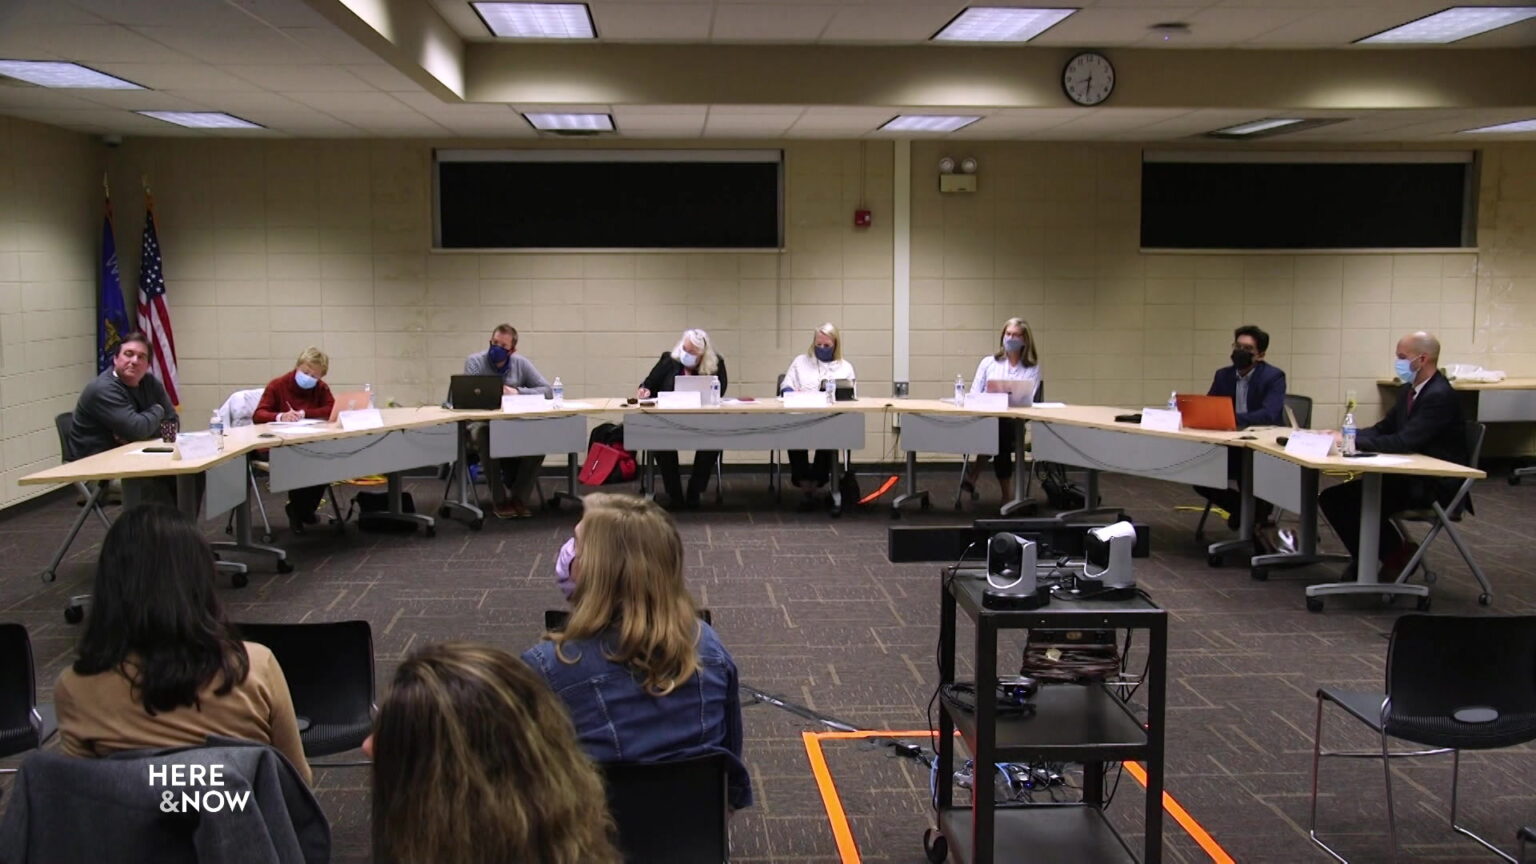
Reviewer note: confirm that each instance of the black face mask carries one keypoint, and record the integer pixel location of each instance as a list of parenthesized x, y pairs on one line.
[(1241, 359)]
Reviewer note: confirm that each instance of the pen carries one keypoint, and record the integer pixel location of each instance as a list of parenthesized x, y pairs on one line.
[(290, 406)]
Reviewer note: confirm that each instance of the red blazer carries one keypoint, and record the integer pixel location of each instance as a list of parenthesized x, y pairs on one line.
[(284, 393)]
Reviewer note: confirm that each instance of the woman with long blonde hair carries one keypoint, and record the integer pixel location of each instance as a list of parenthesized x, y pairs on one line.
[(474, 759), (643, 678)]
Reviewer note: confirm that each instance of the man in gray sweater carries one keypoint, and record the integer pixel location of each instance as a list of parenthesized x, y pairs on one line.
[(518, 375), (123, 404)]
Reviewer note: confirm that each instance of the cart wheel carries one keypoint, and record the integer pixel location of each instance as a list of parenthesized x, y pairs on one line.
[(443, 511), (935, 846), (477, 524), (74, 614), (1314, 604), (239, 580), (1423, 604), (1213, 560), (1484, 599), (47, 576), (431, 530)]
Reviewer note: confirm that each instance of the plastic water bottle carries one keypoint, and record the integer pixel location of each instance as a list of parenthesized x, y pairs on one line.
[(368, 388), (714, 390), (558, 389), (1347, 446), (959, 391), (216, 429), (1173, 401)]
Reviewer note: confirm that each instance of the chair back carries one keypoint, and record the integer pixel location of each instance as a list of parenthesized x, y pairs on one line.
[(673, 812), (238, 409), (1475, 433), (554, 619), (1440, 664), (64, 424), (1301, 409), (20, 724), (778, 386), (329, 667)]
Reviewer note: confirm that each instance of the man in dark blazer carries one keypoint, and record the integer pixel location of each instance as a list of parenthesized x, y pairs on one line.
[(1426, 419), (1257, 390)]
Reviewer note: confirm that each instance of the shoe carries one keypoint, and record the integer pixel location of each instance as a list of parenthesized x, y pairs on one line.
[(295, 521), (504, 510)]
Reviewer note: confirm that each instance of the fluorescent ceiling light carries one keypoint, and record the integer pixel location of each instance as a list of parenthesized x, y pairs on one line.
[(1516, 126), (1000, 24), (1257, 126), (572, 122), (1450, 25), (537, 20), (928, 123), (202, 119), (48, 73)]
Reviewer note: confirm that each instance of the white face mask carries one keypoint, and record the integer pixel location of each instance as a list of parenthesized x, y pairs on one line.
[(689, 360)]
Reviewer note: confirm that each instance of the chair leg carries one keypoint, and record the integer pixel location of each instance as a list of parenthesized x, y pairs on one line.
[(1200, 526), (94, 503), (1466, 555), (1317, 758), (719, 479), (1455, 777), (1386, 766), (261, 506), (91, 503)]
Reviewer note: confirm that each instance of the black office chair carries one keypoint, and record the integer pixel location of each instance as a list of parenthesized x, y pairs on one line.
[(1453, 683), (674, 812), (1298, 411), (329, 667), (1440, 518), (95, 495), (24, 725), (554, 619)]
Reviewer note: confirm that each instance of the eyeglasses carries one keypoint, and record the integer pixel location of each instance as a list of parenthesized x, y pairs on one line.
[(1238, 346)]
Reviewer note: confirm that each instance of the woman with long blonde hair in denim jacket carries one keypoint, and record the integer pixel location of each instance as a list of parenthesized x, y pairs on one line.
[(644, 679)]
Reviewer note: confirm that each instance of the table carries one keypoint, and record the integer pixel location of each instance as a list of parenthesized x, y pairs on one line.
[(1291, 481), (535, 432), (938, 426)]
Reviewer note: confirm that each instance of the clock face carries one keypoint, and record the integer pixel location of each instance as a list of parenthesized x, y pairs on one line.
[(1088, 78)]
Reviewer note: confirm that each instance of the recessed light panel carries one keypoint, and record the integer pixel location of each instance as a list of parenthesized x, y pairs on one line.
[(1516, 126), (537, 20), (1000, 24), (928, 123), (202, 119), (1257, 126), (1455, 23), (571, 122), (49, 73)]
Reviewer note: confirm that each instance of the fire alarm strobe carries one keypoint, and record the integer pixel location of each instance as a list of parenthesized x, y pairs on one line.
[(862, 219)]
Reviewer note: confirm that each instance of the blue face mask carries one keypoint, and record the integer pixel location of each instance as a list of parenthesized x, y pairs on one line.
[(1404, 370), (306, 382), (689, 360), (498, 356), (563, 577), (1013, 346), (824, 353)]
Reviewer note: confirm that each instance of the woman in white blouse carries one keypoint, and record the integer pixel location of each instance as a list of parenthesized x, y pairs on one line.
[(815, 370), (1015, 360)]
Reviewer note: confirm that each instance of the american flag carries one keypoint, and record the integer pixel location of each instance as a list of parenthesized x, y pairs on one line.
[(154, 315)]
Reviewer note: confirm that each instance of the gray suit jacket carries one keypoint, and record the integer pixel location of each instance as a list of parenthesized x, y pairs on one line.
[(520, 373)]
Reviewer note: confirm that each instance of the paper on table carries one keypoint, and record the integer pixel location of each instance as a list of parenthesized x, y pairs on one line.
[(1049, 405), (1390, 460), (285, 431), (568, 405), (1161, 419), (1309, 445), (986, 401), (364, 418), (305, 422)]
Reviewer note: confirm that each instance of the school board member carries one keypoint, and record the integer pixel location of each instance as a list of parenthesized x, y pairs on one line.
[(511, 479), (1426, 419), (693, 355), (817, 369), (123, 404), (299, 394), (1014, 360), (1257, 391)]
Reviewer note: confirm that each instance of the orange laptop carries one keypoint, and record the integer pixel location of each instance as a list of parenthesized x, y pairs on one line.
[(1207, 412), (350, 400)]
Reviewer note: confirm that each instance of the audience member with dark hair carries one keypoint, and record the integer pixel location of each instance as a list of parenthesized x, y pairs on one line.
[(474, 759), (645, 680), (159, 665)]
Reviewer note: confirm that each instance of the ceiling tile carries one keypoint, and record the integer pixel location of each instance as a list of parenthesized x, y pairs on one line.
[(189, 74), (386, 78), (652, 22), (302, 79), (766, 22), (375, 102), (249, 43)]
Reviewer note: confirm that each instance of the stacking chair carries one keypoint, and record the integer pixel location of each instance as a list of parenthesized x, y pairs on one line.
[(95, 495), (1298, 410), (24, 725), (1439, 520), (673, 812), (1453, 683), (329, 667)]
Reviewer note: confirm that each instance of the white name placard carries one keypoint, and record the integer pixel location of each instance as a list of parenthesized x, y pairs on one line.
[(1161, 419), (521, 403), (986, 401), (679, 399), (1309, 445), (196, 445), (363, 418), (811, 399)]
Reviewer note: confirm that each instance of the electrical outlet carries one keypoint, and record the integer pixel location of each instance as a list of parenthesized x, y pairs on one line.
[(901, 389)]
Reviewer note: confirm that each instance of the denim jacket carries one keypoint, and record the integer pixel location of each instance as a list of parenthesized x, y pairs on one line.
[(618, 721)]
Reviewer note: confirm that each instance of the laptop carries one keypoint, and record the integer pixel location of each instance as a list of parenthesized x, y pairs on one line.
[(475, 392), (694, 384), (1021, 394), (352, 400), (1215, 413)]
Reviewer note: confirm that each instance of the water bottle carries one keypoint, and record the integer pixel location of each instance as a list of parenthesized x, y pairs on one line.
[(216, 429), (368, 388), (1347, 446), (1173, 401), (959, 391), (714, 390), (558, 389)]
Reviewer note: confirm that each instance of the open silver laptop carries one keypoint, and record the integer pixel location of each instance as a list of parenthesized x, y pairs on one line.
[(1021, 394)]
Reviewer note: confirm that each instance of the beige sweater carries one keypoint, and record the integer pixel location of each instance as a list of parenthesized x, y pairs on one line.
[(98, 714)]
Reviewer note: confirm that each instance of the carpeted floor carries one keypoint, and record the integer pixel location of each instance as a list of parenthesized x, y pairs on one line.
[(814, 613)]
